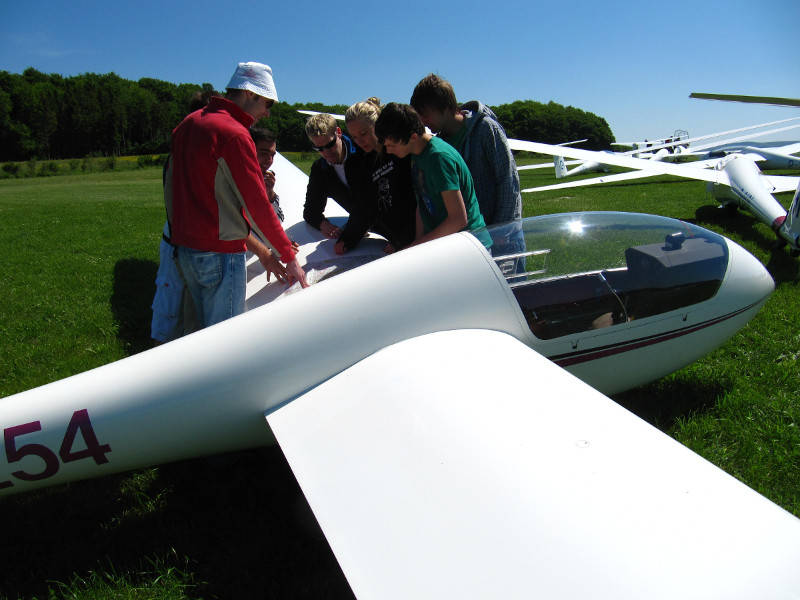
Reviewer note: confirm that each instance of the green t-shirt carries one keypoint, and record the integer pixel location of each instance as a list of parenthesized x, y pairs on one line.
[(440, 168)]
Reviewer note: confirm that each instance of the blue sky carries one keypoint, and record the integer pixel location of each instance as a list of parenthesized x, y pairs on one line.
[(633, 63)]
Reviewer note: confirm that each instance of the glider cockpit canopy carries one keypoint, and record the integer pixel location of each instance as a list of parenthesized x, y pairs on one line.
[(575, 272)]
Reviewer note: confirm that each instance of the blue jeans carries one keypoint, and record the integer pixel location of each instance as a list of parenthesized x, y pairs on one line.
[(510, 239), (167, 323), (216, 281)]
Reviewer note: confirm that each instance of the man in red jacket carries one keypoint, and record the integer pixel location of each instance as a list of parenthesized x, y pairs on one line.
[(215, 195)]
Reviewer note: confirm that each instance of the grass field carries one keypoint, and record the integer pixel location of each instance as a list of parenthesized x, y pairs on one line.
[(79, 258)]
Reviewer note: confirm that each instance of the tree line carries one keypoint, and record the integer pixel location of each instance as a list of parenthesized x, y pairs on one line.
[(48, 116)]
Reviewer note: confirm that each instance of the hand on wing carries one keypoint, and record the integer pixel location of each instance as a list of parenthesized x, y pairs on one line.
[(329, 230), (295, 273), (273, 266), (339, 248)]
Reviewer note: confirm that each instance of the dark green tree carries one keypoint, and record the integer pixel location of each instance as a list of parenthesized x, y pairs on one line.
[(50, 116), (553, 123)]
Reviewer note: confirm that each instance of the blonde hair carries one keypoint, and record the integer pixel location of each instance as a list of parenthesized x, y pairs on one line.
[(366, 111), (320, 124)]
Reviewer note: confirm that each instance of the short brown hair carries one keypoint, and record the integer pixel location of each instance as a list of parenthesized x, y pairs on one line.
[(398, 122), (434, 92)]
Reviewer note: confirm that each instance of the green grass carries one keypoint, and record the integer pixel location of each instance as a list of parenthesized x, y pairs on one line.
[(303, 160), (156, 579), (73, 166), (79, 258), (79, 254)]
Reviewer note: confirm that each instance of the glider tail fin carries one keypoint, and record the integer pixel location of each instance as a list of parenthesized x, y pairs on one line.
[(561, 166)]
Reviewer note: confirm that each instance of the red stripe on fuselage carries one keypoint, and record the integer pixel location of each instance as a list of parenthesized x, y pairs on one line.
[(574, 358)]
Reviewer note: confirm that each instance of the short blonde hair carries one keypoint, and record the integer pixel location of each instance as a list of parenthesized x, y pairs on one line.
[(366, 111), (320, 124)]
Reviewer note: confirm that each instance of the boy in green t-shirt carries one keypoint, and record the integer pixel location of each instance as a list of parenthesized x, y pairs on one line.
[(446, 201)]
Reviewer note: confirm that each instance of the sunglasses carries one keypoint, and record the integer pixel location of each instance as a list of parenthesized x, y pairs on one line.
[(326, 146)]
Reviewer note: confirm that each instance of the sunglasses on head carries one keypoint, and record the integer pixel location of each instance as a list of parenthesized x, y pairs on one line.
[(326, 146)]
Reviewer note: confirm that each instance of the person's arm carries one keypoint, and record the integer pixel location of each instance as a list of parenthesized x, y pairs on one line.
[(295, 272), (353, 231), (398, 220), (267, 259), (247, 178), (362, 216), (363, 209), (316, 198), (455, 221), (500, 161), (328, 229), (289, 274), (420, 229)]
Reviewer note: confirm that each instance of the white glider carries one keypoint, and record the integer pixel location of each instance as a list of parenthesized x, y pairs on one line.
[(736, 180), (679, 149), (442, 453)]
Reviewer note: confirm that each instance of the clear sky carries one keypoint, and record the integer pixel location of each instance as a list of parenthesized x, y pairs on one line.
[(632, 63)]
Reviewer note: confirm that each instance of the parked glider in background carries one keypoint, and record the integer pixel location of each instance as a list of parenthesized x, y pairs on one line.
[(686, 141), (586, 167), (777, 157), (770, 159), (678, 137), (545, 165), (735, 180), (670, 151), (316, 112), (442, 454)]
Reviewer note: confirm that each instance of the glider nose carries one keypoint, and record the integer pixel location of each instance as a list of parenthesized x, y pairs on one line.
[(747, 282)]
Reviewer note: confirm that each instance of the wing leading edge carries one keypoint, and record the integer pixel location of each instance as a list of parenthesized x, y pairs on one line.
[(749, 99), (463, 464)]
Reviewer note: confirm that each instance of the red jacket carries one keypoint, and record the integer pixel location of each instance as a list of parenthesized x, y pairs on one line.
[(214, 190)]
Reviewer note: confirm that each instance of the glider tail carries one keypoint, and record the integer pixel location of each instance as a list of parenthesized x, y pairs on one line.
[(561, 166)]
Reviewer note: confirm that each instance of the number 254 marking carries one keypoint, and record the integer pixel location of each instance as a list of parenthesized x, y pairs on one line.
[(79, 423)]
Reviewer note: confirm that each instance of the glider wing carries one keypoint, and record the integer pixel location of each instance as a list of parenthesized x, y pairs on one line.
[(462, 464)]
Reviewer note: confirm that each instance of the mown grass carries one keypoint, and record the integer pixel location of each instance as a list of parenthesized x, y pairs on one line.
[(79, 258), (78, 255), (72, 166)]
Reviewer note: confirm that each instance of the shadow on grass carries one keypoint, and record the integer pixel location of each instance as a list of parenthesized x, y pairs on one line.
[(665, 401), (240, 519), (640, 183), (738, 222), (781, 265), (134, 286), (627, 184)]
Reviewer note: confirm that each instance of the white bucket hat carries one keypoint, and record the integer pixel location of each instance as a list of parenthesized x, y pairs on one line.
[(255, 77)]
